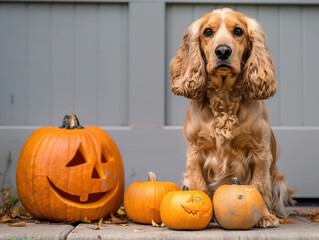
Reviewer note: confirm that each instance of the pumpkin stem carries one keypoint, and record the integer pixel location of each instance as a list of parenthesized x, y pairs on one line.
[(235, 180), (71, 121), (151, 177)]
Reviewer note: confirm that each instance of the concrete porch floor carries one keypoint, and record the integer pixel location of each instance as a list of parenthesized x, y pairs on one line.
[(302, 228)]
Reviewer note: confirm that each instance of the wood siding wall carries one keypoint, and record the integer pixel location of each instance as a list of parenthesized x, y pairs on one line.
[(108, 62)]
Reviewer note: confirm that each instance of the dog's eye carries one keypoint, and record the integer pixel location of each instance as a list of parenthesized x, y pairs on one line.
[(238, 31), (208, 32)]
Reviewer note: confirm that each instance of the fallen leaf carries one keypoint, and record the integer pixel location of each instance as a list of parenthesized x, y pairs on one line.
[(117, 220), (314, 218), (124, 224), (99, 224), (18, 224), (86, 220), (5, 219), (94, 228), (286, 221), (121, 211), (312, 215), (139, 229), (154, 224)]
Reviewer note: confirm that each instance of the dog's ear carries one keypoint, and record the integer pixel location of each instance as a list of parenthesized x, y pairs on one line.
[(187, 68), (259, 72)]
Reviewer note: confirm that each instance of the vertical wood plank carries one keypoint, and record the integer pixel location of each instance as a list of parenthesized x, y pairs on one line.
[(113, 67), (39, 64), (13, 58), (146, 63), (291, 99), (249, 10), (269, 19), (86, 62), (202, 9), (178, 19), (310, 50), (63, 61)]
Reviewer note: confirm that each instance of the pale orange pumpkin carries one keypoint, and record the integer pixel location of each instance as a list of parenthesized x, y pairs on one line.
[(237, 206), (142, 200), (70, 173), (186, 209)]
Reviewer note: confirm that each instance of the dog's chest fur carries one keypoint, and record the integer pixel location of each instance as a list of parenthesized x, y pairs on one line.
[(219, 130)]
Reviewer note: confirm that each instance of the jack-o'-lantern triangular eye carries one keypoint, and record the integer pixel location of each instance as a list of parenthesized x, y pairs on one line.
[(78, 159), (103, 159)]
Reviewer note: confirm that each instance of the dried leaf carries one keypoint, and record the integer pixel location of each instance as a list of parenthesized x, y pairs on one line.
[(6, 196), (314, 218), (311, 215), (154, 224), (117, 220), (139, 229), (18, 224), (15, 212), (94, 228), (5, 219), (286, 221), (124, 224), (99, 224), (86, 220), (121, 211)]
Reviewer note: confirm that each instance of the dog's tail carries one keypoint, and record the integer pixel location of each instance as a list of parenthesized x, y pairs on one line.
[(281, 195)]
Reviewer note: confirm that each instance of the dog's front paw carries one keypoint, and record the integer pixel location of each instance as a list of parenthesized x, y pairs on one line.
[(268, 220)]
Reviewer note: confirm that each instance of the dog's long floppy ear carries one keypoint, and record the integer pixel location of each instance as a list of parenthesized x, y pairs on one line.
[(259, 70), (187, 68)]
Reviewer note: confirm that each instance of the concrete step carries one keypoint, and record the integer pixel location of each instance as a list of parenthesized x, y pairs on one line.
[(300, 229)]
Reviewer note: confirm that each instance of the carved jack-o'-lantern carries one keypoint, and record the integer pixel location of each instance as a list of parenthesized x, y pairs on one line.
[(189, 209), (70, 173)]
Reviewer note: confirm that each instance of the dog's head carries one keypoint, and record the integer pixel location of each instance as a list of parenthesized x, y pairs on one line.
[(219, 47)]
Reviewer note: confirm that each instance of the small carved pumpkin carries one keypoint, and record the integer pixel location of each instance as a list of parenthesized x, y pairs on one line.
[(70, 173), (187, 209), (237, 206), (142, 200)]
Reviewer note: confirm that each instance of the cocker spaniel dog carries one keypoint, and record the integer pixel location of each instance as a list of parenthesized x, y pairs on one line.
[(223, 66)]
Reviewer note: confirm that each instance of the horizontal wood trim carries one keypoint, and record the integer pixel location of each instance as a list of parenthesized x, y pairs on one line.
[(258, 2), (163, 150)]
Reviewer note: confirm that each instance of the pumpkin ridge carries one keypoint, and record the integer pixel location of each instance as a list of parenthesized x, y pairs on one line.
[(91, 132), (42, 146)]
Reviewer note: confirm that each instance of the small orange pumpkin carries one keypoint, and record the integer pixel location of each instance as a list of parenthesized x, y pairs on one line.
[(237, 206), (70, 173), (187, 209), (142, 199)]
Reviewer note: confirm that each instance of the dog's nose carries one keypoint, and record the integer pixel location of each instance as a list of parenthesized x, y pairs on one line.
[(223, 52)]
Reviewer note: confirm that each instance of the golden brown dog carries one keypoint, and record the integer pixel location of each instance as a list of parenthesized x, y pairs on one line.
[(224, 67)]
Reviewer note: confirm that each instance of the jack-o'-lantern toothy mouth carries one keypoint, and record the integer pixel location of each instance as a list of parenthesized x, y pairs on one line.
[(92, 197), (195, 205)]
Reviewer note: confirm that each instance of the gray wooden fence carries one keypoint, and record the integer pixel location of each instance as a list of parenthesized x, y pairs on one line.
[(107, 61)]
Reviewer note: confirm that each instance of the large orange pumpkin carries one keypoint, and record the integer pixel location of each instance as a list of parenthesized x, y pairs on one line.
[(186, 209), (237, 206), (142, 200), (70, 173)]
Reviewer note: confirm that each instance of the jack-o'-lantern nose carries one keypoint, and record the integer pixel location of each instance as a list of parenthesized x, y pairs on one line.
[(95, 174)]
